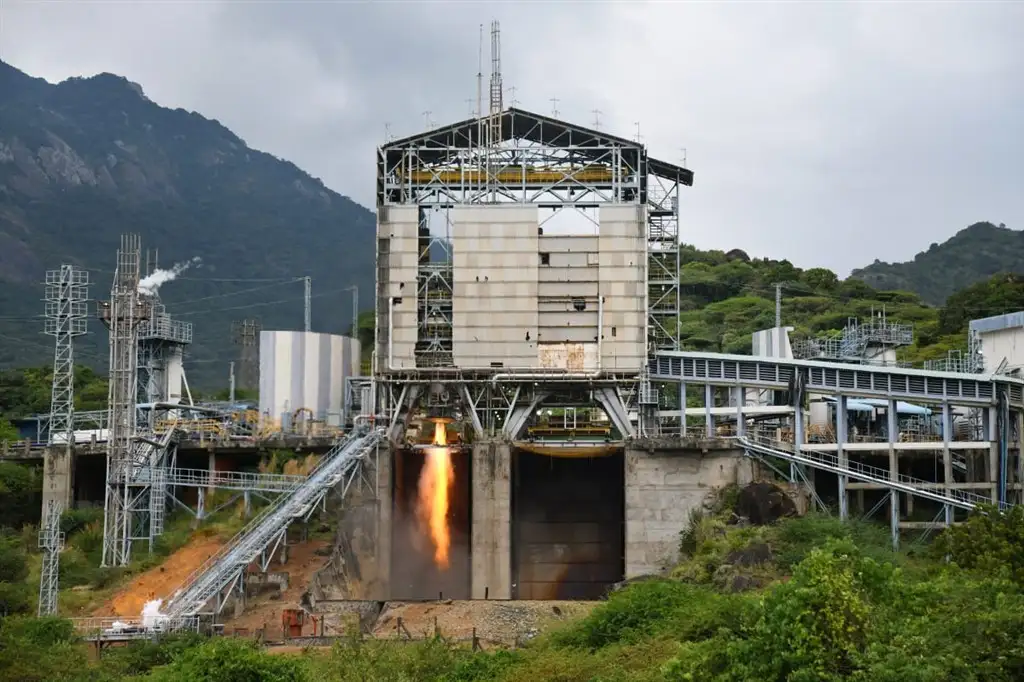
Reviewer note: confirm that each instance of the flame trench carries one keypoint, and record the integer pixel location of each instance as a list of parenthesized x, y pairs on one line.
[(435, 494)]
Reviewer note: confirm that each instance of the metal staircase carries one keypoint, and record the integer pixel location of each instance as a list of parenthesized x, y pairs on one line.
[(829, 461), (224, 571)]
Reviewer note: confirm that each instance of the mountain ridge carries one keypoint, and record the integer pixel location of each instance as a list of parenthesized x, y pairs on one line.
[(86, 159), (974, 254)]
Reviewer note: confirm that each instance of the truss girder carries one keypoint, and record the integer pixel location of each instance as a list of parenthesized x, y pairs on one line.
[(521, 414), (611, 401), (225, 568)]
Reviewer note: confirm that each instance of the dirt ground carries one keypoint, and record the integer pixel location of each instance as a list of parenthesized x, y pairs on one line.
[(265, 610), (160, 581), (496, 622)]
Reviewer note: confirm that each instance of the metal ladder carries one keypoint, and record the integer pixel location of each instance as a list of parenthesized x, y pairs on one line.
[(224, 569), (829, 461)]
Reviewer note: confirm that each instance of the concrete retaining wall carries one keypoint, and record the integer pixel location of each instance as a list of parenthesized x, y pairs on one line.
[(663, 485)]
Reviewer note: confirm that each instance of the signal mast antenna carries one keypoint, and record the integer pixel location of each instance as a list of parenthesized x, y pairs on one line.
[(480, 109), (494, 120)]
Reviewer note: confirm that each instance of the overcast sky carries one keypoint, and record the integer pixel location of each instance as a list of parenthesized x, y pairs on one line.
[(830, 133)]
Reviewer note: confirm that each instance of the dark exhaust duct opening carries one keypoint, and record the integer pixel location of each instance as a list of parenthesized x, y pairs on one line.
[(568, 529)]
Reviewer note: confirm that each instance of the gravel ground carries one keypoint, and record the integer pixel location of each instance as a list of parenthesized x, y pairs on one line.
[(496, 622)]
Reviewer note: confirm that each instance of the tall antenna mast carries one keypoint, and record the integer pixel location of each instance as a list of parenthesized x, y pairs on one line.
[(479, 111), (494, 120), (480, 76), (496, 90)]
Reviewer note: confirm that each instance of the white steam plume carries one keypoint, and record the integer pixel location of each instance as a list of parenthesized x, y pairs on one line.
[(149, 284), (151, 616)]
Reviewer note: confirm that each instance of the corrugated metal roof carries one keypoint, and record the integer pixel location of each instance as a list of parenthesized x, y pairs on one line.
[(998, 322)]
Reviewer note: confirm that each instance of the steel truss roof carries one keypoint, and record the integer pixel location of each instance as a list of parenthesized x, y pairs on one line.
[(518, 124)]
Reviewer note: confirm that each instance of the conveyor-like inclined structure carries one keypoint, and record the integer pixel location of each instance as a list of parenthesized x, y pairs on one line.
[(829, 461), (225, 570)]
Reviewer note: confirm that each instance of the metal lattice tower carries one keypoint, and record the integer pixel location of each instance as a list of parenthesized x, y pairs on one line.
[(51, 542), (246, 334), (66, 318), (122, 315)]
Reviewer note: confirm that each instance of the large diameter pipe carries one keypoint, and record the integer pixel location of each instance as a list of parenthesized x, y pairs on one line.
[(391, 332)]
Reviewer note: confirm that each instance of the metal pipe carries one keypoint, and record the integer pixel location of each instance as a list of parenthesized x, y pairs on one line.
[(391, 332), (600, 330), (513, 376)]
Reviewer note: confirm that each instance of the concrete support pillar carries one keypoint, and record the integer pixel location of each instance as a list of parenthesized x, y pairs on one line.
[(1020, 455), (799, 440), (491, 535), (709, 402), (741, 423), (894, 473), (844, 503), (682, 408), (385, 508), (211, 466), (992, 435), (58, 476), (200, 503), (947, 455)]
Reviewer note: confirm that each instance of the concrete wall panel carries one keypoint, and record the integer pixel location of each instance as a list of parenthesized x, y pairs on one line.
[(662, 489)]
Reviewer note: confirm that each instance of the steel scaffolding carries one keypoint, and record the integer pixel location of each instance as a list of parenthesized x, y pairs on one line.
[(66, 318), (513, 156), (122, 315)]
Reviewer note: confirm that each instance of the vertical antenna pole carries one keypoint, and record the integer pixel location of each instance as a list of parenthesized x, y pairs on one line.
[(480, 78), (309, 303), (355, 312), (778, 305)]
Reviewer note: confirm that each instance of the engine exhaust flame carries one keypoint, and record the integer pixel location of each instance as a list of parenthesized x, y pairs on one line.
[(434, 494)]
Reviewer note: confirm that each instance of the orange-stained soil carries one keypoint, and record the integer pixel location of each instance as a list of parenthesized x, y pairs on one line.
[(160, 581)]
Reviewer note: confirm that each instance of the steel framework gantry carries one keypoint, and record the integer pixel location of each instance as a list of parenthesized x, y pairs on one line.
[(515, 156), (126, 454)]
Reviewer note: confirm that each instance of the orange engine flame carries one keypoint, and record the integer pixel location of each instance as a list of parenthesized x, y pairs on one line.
[(434, 494)]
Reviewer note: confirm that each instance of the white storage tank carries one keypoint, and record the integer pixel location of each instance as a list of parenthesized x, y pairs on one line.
[(305, 370)]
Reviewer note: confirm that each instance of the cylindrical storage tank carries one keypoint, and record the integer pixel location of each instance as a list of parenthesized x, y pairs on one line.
[(173, 374), (305, 371)]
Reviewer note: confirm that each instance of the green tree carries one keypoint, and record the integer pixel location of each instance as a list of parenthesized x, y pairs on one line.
[(228, 660)]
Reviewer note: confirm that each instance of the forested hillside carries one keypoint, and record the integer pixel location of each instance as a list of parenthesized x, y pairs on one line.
[(973, 254), (727, 296)]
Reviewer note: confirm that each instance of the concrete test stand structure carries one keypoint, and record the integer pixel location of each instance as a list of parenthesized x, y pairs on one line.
[(483, 318)]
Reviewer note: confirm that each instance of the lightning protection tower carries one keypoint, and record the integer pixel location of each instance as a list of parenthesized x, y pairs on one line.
[(66, 317), (125, 483), (51, 542)]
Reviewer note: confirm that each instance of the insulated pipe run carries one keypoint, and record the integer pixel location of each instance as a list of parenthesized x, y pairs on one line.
[(390, 333), (540, 376)]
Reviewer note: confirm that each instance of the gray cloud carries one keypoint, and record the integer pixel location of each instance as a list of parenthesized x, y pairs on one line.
[(828, 133)]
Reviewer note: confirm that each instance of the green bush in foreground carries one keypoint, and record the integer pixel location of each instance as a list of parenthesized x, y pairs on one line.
[(835, 604)]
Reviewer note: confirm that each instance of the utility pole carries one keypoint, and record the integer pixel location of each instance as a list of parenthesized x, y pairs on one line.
[(309, 303), (778, 305), (231, 383), (355, 310)]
